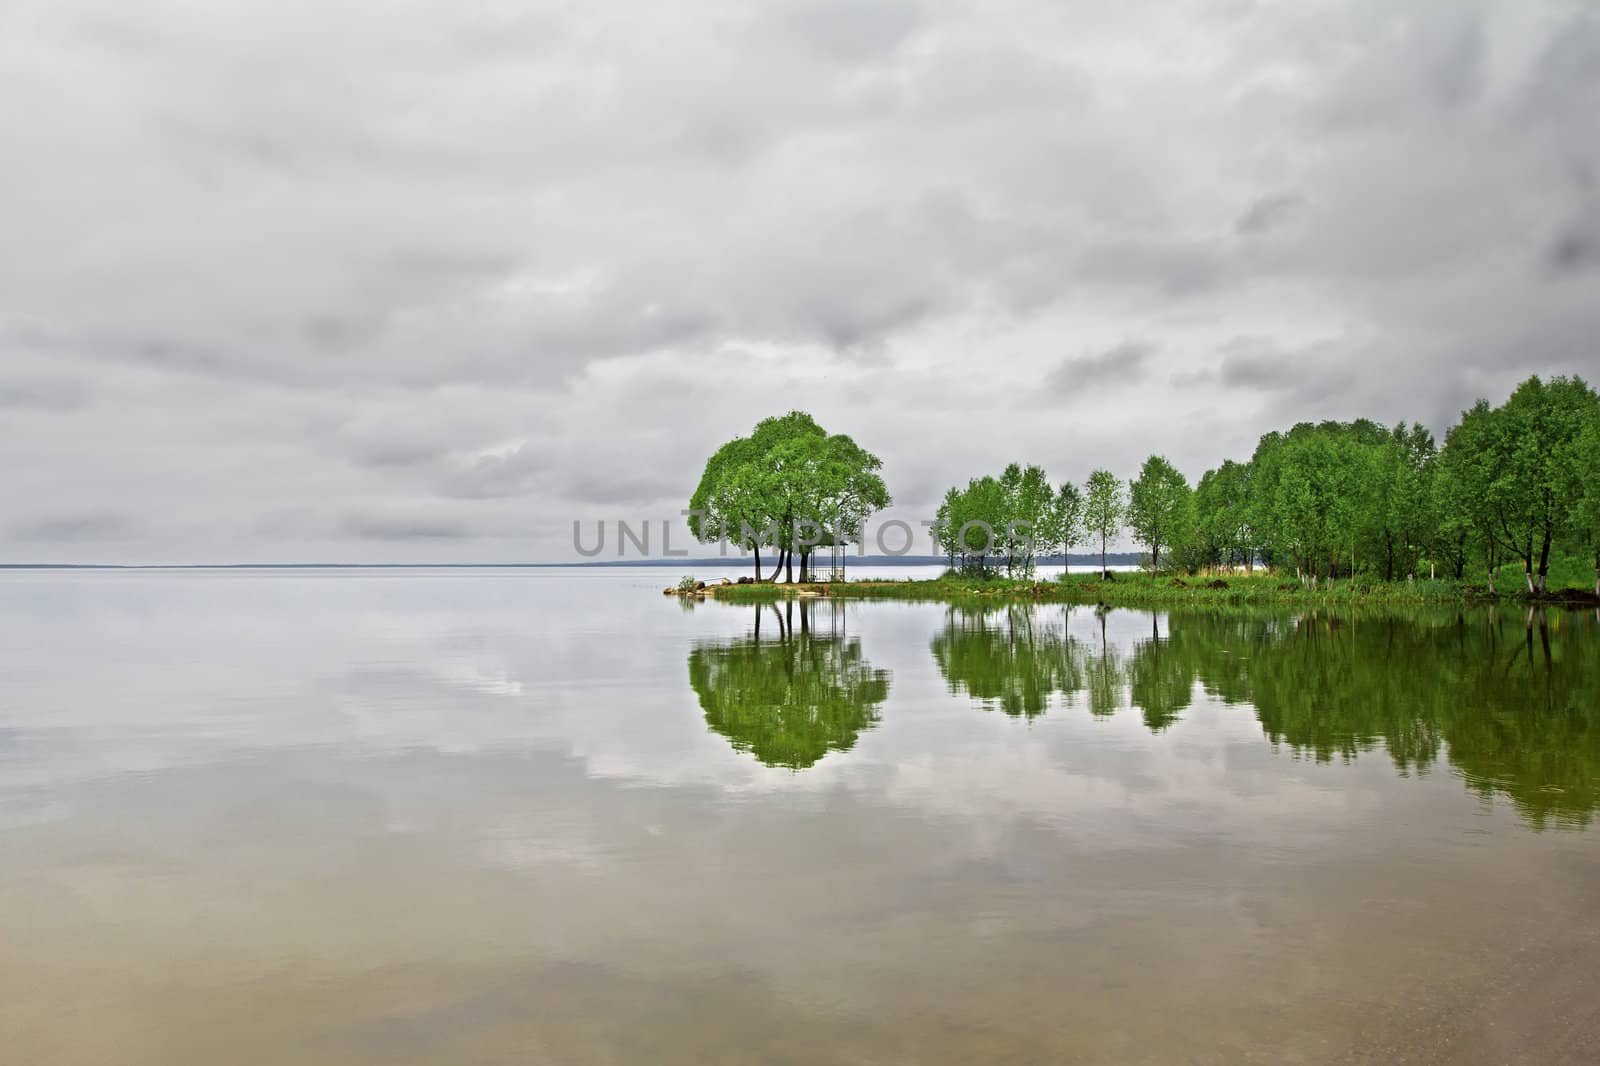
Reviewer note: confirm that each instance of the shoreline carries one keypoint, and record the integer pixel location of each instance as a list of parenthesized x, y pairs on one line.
[(1142, 590)]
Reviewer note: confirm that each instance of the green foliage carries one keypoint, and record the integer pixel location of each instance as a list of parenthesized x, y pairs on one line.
[(790, 485), (1009, 519), (1160, 508), (1352, 500), (1223, 536), (1103, 509), (1340, 504), (1585, 519), (687, 584)]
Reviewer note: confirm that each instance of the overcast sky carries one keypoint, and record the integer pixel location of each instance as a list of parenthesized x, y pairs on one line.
[(318, 280)]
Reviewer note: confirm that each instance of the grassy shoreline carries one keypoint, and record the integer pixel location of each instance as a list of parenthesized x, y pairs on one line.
[(1135, 590)]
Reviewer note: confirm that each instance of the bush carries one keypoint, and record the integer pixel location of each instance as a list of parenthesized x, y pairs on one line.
[(687, 584)]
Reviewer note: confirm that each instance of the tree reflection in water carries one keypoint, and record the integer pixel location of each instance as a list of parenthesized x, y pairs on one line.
[(1510, 699), (794, 694)]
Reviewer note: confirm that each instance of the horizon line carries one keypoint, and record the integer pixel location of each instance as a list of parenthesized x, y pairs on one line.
[(713, 560)]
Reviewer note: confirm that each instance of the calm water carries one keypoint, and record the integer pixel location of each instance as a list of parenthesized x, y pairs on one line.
[(530, 817)]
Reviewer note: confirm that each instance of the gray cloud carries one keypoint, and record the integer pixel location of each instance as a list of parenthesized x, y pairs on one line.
[(473, 272), (1576, 248), (1124, 363), (74, 528), (406, 527), (43, 394), (1268, 213)]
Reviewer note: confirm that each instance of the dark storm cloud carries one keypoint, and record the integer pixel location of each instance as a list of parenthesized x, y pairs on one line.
[(466, 266)]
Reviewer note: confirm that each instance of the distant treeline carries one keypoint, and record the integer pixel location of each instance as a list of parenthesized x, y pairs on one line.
[(1512, 483)]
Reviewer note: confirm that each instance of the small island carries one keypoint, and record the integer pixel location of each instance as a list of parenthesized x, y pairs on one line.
[(1507, 508)]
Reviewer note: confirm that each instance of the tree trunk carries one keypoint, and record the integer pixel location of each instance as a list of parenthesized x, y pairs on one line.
[(776, 566), (1527, 575), (1155, 559), (788, 566), (1103, 559), (757, 550)]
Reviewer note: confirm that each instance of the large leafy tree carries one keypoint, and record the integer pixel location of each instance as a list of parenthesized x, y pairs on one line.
[(1160, 509), (1222, 517), (1470, 469), (1540, 479), (1402, 501), (1103, 509), (1586, 511), (790, 485), (1029, 517)]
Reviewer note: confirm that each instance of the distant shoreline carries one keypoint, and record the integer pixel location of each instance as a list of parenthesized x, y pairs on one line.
[(853, 562), (1145, 590)]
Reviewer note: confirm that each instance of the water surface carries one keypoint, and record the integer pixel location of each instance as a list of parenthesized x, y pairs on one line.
[(522, 816)]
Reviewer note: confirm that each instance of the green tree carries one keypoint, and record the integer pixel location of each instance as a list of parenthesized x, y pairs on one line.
[(1160, 510), (1028, 516), (1223, 535), (1539, 479), (1586, 511), (1471, 466), (1402, 503), (1103, 509), (1065, 529), (789, 485)]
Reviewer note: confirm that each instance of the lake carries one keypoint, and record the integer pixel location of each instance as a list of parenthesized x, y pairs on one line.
[(523, 816)]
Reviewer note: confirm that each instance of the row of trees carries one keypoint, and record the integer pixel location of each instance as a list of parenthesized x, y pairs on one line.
[(1514, 483), (1010, 519), (1015, 518)]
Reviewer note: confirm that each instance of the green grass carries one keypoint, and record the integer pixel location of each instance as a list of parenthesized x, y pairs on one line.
[(1139, 589)]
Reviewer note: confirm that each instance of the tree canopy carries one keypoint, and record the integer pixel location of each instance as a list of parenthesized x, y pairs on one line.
[(790, 486), (1103, 509), (1517, 482), (1160, 511), (1012, 519)]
